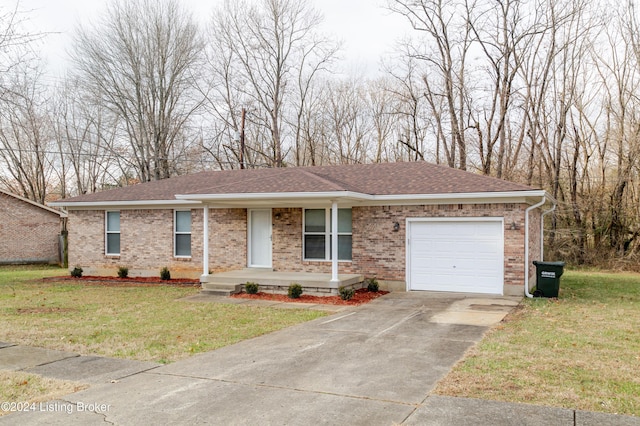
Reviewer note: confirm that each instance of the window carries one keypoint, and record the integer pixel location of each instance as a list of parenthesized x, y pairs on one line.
[(317, 234), (112, 237), (182, 234)]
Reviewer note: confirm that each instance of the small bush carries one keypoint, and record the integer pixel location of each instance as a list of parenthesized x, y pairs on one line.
[(251, 288), (295, 291), (346, 293), (165, 274), (372, 285), (76, 272), (123, 272)]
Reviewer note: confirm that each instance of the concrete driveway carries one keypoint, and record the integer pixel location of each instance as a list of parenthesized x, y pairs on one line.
[(371, 365)]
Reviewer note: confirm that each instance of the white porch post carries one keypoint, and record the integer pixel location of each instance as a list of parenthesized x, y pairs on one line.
[(334, 242), (205, 242)]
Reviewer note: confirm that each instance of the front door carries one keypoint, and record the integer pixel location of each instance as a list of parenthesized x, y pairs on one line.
[(259, 238)]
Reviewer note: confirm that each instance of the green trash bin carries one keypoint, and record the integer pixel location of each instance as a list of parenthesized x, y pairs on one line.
[(548, 278)]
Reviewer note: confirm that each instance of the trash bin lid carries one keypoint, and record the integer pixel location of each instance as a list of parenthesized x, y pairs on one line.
[(541, 263)]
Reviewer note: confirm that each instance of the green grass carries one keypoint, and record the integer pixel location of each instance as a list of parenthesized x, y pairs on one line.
[(143, 323), (581, 351)]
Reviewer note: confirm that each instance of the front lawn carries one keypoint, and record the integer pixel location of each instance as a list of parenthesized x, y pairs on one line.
[(143, 323), (581, 351)]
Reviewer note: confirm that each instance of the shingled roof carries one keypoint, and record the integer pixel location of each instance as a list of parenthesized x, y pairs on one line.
[(378, 179)]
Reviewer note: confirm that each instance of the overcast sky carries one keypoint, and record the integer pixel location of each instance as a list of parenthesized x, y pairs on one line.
[(367, 29)]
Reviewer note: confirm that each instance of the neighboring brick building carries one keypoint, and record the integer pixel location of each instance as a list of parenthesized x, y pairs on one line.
[(29, 232), (415, 226)]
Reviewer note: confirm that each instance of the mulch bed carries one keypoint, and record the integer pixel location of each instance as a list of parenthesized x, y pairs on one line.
[(361, 296), (127, 282)]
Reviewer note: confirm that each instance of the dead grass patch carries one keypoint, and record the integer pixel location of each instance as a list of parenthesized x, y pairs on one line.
[(44, 310), (18, 388)]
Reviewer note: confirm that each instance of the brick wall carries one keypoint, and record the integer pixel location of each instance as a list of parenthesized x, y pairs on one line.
[(384, 251), (147, 240), (227, 239), (379, 251), (146, 243), (28, 233)]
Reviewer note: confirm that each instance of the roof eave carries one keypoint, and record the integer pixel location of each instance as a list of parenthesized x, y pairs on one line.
[(357, 198), (291, 198), (71, 205), (525, 196), (33, 203)]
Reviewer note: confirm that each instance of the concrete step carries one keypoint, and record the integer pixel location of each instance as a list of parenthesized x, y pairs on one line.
[(221, 289), (282, 279)]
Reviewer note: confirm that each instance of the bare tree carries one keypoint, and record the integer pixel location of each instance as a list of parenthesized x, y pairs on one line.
[(16, 43), (410, 112), (26, 152), (85, 134), (270, 54), (448, 37), (141, 61)]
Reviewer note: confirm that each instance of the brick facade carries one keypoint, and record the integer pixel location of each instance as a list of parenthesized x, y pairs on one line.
[(146, 243), (227, 239), (377, 250), (28, 233), (381, 252)]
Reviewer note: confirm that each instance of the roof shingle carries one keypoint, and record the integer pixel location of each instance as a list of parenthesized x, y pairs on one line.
[(372, 179)]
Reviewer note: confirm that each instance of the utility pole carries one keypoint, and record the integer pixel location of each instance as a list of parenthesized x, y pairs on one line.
[(244, 113)]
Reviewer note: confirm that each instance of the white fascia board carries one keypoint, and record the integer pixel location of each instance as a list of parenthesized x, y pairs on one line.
[(291, 198), (471, 197), (88, 205), (357, 198), (276, 196)]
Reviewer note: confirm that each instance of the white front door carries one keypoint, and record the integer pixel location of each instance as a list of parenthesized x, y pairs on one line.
[(259, 236)]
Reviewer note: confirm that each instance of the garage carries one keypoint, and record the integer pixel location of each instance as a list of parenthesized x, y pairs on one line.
[(458, 255)]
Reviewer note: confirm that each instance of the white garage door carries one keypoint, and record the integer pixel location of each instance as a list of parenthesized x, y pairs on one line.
[(456, 255)]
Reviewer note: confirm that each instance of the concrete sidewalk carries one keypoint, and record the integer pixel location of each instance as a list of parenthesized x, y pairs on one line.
[(91, 370), (370, 365)]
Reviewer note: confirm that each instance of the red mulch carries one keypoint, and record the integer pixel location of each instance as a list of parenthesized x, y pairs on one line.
[(361, 296), (127, 282)]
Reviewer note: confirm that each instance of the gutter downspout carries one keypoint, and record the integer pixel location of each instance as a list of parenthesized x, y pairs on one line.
[(526, 244)]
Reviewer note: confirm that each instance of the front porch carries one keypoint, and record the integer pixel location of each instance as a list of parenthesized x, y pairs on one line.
[(230, 282)]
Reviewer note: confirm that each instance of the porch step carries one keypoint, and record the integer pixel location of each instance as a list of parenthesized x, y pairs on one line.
[(221, 289), (281, 279)]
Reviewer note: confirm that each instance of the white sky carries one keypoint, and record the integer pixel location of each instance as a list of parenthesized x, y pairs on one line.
[(366, 28)]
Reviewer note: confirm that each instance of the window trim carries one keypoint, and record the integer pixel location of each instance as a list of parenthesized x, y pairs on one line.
[(176, 233), (326, 233), (108, 232)]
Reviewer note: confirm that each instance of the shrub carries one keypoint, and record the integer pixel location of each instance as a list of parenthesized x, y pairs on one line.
[(346, 293), (251, 288), (295, 291), (123, 272), (165, 274), (372, 284), (76, 272)]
